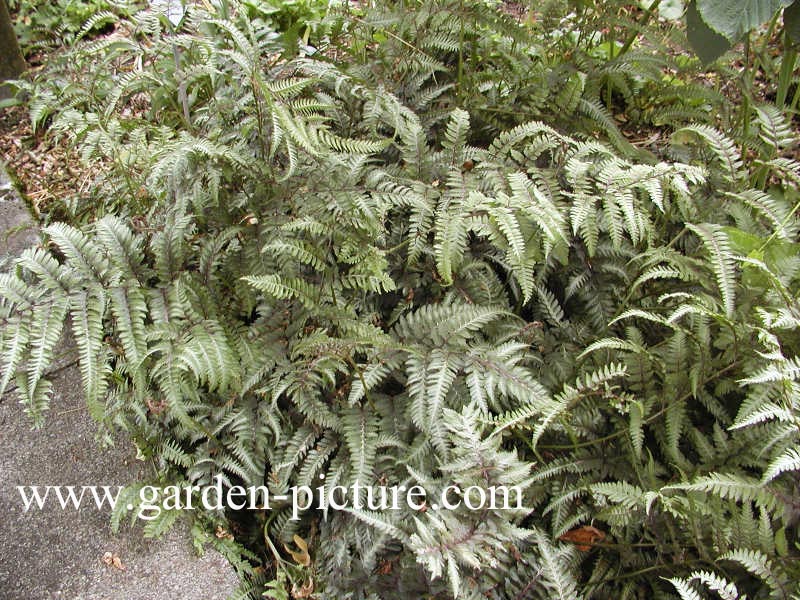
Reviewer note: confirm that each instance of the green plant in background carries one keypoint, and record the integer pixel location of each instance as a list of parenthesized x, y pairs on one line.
[(427, 253), (298, 20), (715, 25), (49, 24)]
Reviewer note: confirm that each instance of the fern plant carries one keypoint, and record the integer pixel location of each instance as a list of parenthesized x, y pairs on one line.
[(308, 271)]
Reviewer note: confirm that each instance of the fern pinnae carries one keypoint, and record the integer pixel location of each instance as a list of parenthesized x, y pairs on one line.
[(82, 252), (737, 487), (722, 146), (788, 461), (123, 247), (774, 129), (48, 320), (758, 564), (87, 309), (360, 433), (562, 584), (723, 261), (599, 115), (684, 589), (769, 208), (47, 269), (13, 351), (439, 377), (130, 312), (379, 521)]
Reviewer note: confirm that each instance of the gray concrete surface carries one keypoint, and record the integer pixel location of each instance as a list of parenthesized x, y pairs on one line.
[(17, 230), (55, 553), (58, 554)]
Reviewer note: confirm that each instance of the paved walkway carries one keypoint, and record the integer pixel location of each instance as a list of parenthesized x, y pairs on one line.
[(54, 553)]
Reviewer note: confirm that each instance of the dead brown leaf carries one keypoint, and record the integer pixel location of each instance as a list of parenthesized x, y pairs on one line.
[(302, 557), (112, 559), (584, 537), (305, 590)]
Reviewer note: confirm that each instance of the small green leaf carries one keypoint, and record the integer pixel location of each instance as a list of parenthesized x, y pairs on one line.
[(781, 547)]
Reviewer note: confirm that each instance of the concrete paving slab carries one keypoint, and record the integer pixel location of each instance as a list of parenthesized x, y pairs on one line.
[(58, 554), (17, 229)]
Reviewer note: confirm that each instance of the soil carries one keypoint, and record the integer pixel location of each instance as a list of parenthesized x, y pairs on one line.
[(45, 169)]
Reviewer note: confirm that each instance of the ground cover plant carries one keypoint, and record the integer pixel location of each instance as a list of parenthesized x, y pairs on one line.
[(436, 243)]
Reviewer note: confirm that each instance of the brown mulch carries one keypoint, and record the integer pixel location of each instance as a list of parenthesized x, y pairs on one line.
[(45, 170), (515, 10)]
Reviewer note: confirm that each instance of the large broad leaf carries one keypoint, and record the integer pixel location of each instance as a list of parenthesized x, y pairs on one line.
[(734, 18), (791, 21), (707, 43)]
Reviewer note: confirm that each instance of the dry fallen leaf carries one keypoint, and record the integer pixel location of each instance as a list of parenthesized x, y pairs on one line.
[(223, 534), (113, 560), (385, 568), (305, 590), (302, 557), (584, 537)]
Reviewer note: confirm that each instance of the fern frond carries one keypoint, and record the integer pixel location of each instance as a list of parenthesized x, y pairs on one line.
[(788, 461), (48, 323), (723, 262), (723, 148), (759, 565), (736, 487), (774, 130), (360, 430), (284, 288), (87, 309)]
